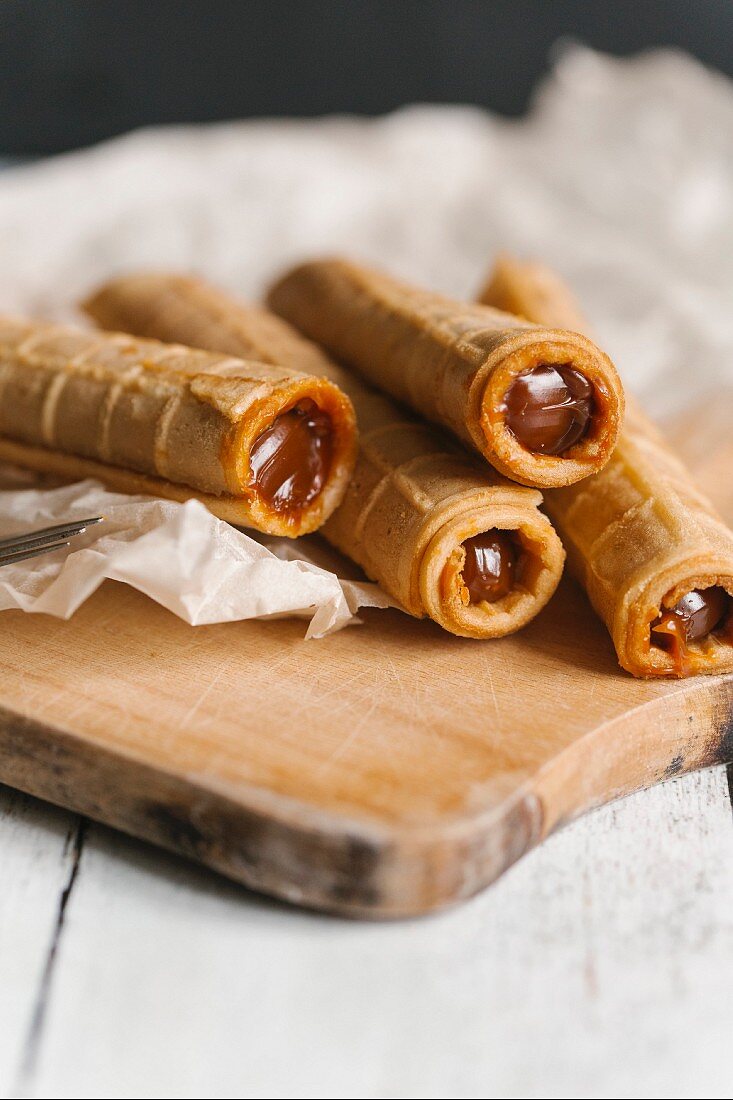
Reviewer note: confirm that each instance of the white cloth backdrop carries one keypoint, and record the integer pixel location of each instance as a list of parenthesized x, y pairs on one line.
[(622, 178)]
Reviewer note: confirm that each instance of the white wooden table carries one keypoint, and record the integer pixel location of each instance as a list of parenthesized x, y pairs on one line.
[(599, 966)]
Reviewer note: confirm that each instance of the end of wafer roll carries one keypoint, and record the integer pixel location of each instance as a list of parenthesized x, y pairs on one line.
[(272, 447), (172, 307), (533, 364), (292, 456), (654, 557), (506, 289), (543, 405), (447, 539), (633, 619), (525, 534)]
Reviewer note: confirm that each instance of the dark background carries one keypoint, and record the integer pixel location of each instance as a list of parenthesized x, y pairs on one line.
[(75, 71)]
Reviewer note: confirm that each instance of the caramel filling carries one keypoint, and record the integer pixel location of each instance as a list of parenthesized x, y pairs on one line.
[(549, 408), (491, 566), (692, 618), (291, 459)]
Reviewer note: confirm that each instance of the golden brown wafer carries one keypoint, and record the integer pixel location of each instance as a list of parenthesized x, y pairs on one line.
[(639, 534), (188, 419), (454, 363), (415, 497)]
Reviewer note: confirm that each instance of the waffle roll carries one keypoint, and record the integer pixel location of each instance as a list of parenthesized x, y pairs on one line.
[(654, 556), (442, 533), (260, 446), (542, 404)]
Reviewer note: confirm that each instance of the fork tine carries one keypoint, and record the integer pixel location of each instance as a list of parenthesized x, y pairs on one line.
[(47, 534), (40, 538), (7, 557)]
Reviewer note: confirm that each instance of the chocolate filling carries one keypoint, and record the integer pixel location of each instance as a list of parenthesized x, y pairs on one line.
[(549, 408), (291, 460), (693, 617), (491, 566)]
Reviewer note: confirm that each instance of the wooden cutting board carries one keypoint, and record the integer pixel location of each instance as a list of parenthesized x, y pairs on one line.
[(388, 770)]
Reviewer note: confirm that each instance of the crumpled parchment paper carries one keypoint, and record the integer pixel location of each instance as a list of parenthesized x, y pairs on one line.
[(199, 567), (621, 177)]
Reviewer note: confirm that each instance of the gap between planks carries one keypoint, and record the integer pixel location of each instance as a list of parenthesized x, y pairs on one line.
[(31, 1046)]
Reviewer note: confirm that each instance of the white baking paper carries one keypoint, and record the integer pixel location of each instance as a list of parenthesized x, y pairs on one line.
[(621, 177), (199, 567)]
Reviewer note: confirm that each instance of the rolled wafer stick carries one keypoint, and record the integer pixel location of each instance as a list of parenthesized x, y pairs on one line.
[(542, 405), (261, 446), (654, 556), (443, 534)]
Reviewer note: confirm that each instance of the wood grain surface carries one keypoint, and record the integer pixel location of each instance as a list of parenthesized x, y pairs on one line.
[(387, 770)]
